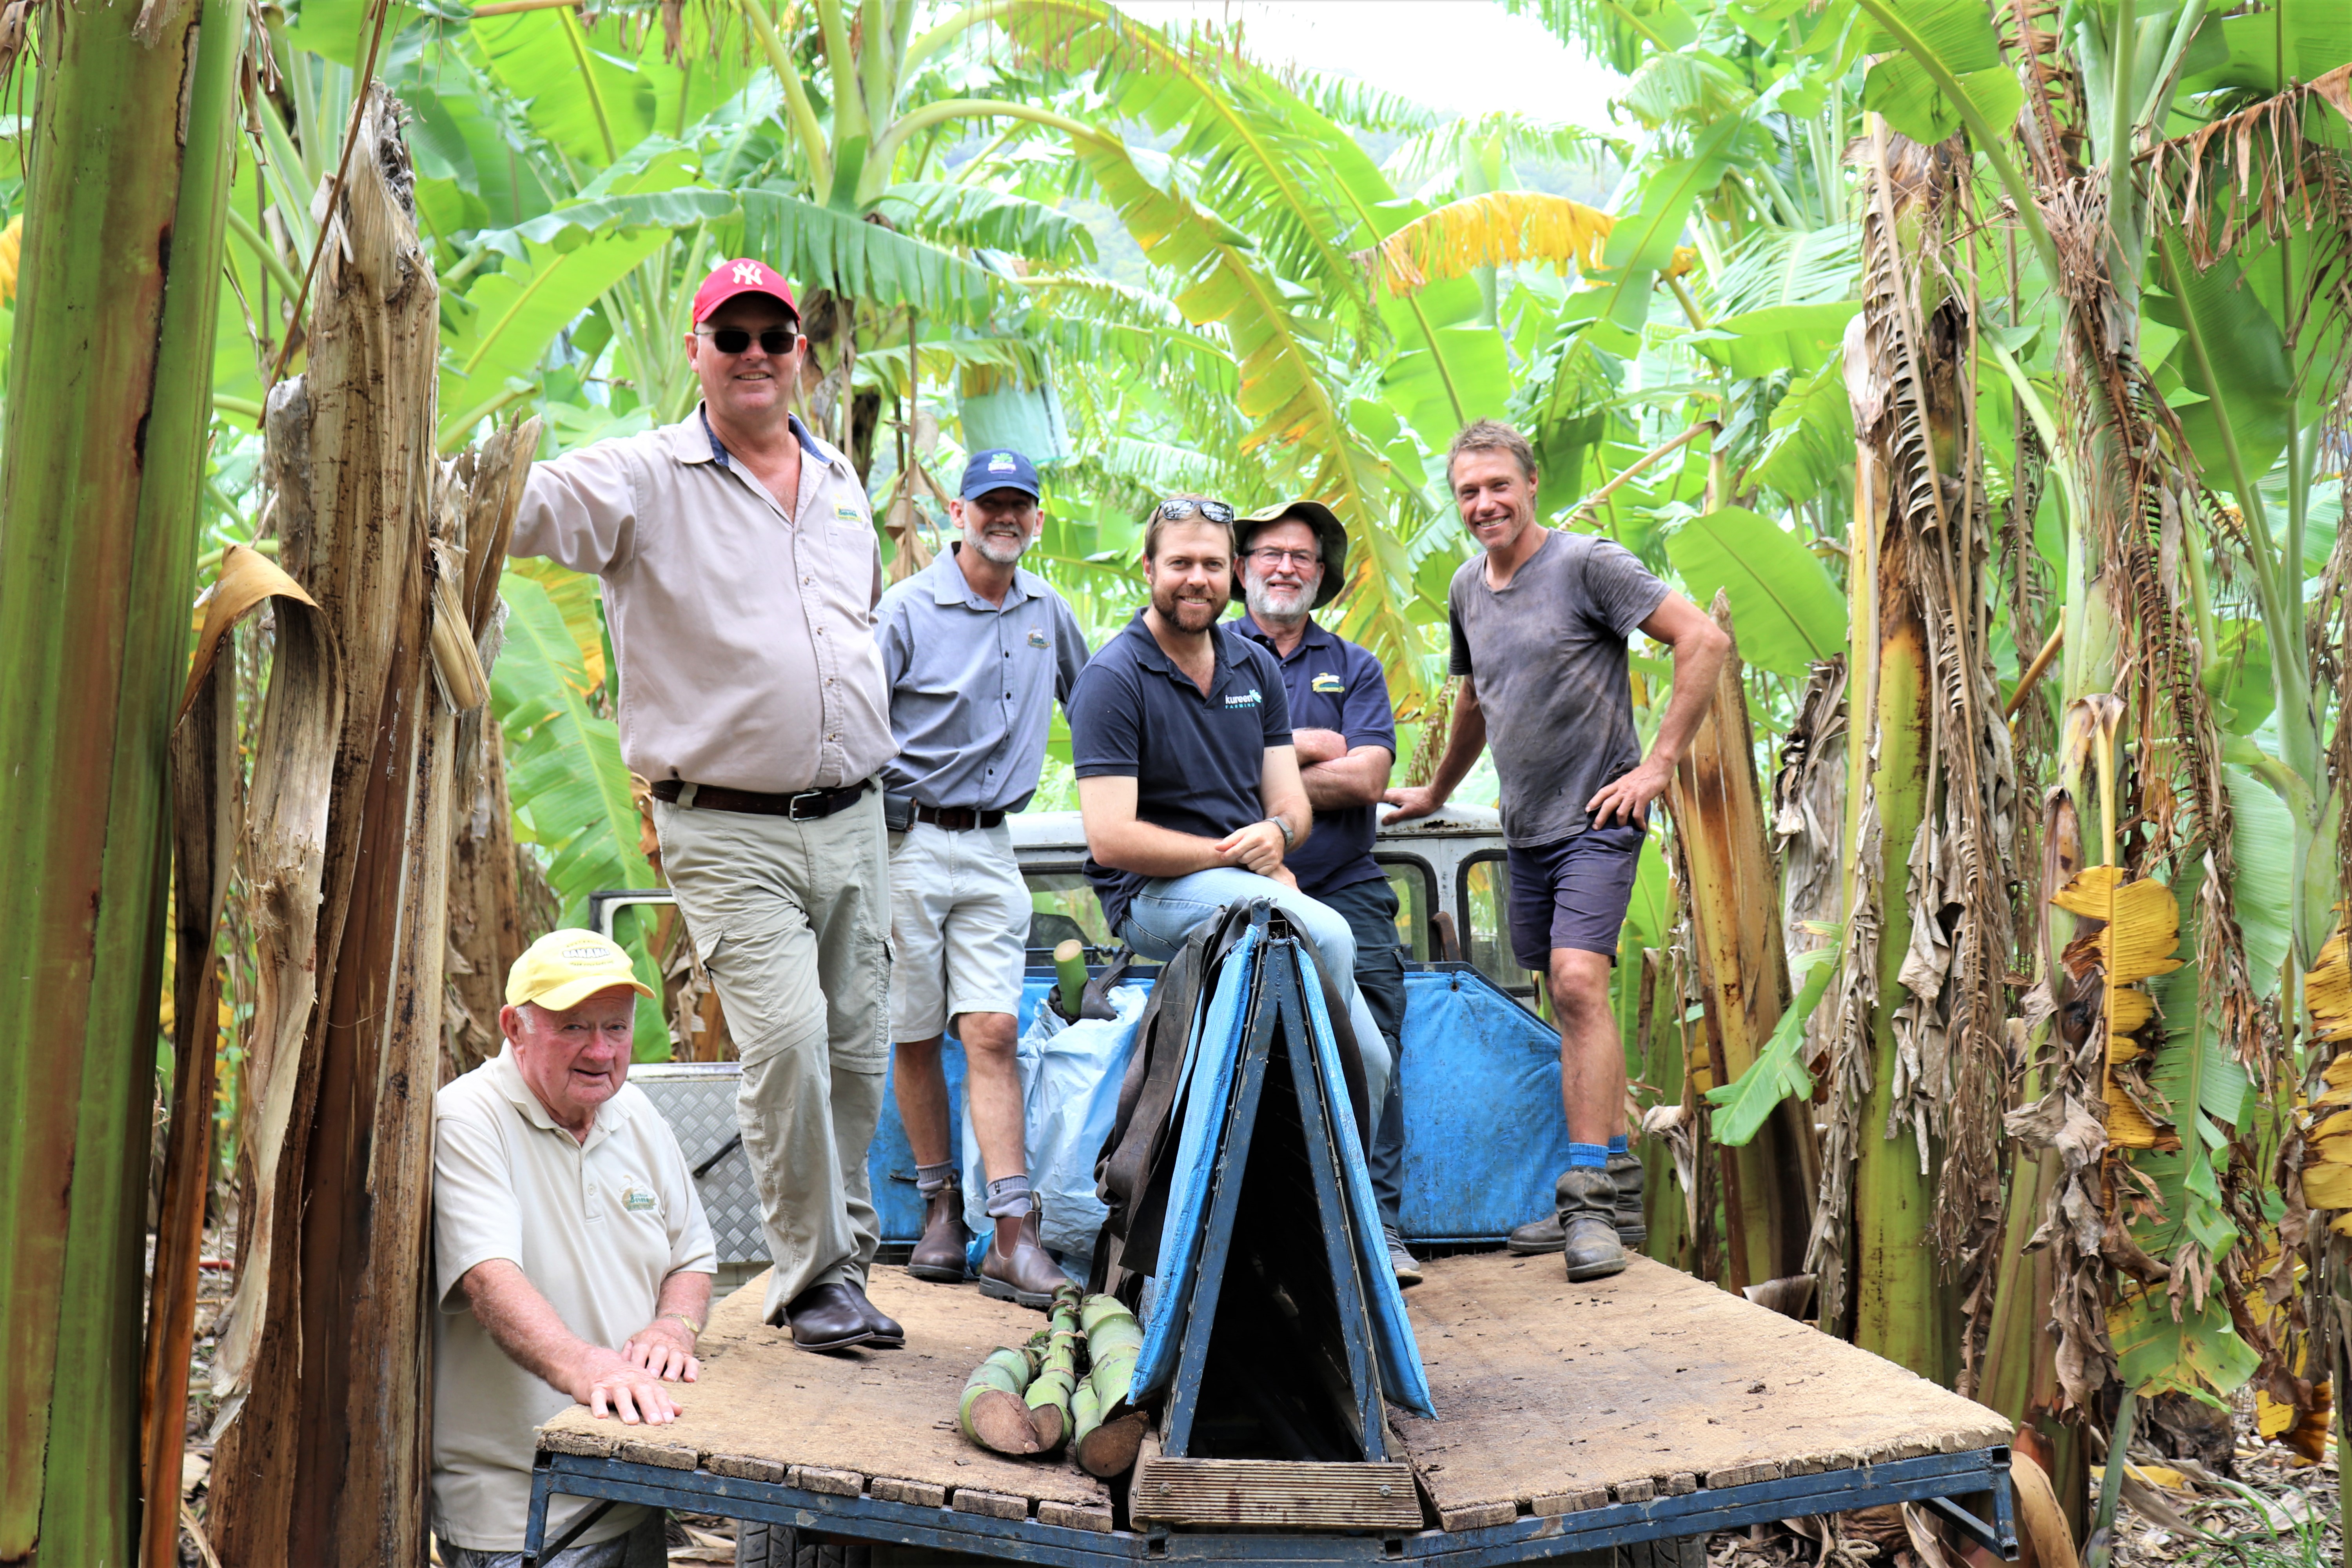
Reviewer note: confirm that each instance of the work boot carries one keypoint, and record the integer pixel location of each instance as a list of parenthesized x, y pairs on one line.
[(1541, 1235), (1633, 1225), (1016, 1269), (939, 1255), (1401, 1262), (887, 1335), (1587, 1228), (829, 1318)]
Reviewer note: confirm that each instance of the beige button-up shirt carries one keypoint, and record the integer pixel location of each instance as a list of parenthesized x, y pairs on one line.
[(595, 1226), (745, 638)]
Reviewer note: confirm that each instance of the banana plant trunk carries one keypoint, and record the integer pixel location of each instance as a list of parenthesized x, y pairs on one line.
[(1899, 1311), (127, 184), (325, 1452)]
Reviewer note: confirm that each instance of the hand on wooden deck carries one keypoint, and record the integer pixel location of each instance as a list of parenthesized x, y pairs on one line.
[(664, 1347), (610, 1383)]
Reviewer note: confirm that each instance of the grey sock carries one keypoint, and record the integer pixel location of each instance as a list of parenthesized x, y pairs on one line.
[(1010, 1198), (930, 1179)]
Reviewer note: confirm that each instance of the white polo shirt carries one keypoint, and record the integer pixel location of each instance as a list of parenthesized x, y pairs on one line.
[(594, 1226)]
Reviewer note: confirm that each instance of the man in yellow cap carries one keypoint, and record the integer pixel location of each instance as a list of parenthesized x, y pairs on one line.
[(573, 1258)]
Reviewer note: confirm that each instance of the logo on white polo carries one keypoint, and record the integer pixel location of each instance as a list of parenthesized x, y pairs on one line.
[(747, 272), (636, 1197)]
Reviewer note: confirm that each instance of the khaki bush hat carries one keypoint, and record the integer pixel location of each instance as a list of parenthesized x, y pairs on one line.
[(1327, 532), (564, 968)]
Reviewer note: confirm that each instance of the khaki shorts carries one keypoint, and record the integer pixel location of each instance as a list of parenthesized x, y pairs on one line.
[(958, 921)]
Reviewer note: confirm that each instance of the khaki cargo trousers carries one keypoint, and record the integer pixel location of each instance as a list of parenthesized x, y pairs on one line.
[(793, 920)]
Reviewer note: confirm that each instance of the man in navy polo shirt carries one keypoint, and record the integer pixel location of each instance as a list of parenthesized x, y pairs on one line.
[(1292, 560), (1180, 733)]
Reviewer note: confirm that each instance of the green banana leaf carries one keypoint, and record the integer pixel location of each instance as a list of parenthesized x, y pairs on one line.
[(1785, 611)]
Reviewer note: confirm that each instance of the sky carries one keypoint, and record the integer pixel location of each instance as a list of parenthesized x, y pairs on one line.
[(1462, 56)]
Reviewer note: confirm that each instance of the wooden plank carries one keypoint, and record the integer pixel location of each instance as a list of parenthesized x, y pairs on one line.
[(743, 1468), (668, 1455), (833, 1483), (1553, 1505), (859, 1414), (1638, 1386), (1071, 1516), (993, 1505), (1279, 1494), (591, 1443), (1743, 1475), (1478, 1516)]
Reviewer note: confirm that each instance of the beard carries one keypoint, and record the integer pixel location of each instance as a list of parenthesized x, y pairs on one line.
[(1003, 552), (1186, 614), (1268, 601)]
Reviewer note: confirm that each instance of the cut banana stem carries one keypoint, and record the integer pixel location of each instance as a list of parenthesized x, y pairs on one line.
[(992, 1414)]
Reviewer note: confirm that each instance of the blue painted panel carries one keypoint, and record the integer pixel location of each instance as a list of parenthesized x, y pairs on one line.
[(1483, 1136)]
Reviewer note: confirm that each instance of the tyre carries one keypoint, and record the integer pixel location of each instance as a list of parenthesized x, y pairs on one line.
[(1679, 1551), (780, 1546)]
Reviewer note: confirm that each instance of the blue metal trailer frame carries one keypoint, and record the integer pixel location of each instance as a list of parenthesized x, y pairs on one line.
[(1940, 1480)]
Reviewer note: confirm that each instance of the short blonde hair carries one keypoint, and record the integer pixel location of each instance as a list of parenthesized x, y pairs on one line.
[(1491, 435)]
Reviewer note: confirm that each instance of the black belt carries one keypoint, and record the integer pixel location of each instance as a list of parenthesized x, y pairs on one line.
[(805, 806), (957, 818)]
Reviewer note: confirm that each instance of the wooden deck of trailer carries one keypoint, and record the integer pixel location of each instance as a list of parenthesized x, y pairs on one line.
[(1569, 1417)]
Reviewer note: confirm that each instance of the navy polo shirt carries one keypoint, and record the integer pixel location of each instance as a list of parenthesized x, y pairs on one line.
[(1332, 684), (1198, 760)]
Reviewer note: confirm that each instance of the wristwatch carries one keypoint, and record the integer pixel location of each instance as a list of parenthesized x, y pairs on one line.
[(1289, 839)]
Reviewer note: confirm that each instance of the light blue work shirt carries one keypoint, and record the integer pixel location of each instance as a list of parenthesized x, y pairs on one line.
[(972, 685)]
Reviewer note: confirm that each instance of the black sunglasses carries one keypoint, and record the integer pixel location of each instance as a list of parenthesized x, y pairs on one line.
[(1183, 507), (735, 340)]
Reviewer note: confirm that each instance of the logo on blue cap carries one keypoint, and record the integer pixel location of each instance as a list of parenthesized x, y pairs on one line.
[(1001, 469)]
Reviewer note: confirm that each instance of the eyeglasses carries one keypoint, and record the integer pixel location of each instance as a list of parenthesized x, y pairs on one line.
[(735, 340), (1271, 558), (1177, 511)]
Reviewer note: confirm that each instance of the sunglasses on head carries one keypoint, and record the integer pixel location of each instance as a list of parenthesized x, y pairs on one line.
[(735, 340), (1177, 510)]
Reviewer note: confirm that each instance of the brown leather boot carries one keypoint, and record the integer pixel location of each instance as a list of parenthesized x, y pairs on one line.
[(1016, 1269), (939, 1255)]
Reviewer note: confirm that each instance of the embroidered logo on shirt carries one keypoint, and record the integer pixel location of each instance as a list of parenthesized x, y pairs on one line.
[(637, 1199), (846, 513), (1327, 681), (1249, 699), (1037, 638)]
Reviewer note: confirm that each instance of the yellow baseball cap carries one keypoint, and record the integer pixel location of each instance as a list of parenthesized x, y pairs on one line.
[(564, 968)]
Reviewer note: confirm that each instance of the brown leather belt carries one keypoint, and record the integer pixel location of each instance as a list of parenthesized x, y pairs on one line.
[(957, 818), (805, 807)]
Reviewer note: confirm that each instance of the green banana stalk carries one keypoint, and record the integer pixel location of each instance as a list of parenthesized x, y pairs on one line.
[(1048, 1396), (1106, 1445)]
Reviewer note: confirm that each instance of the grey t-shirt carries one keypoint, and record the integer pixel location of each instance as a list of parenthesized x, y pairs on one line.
[(1549, 654)]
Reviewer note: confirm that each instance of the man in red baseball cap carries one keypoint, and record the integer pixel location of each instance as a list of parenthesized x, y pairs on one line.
[(740, 570)]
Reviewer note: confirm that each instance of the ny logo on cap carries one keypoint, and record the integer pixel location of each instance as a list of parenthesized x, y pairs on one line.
[(1000, 464), (747, 272)]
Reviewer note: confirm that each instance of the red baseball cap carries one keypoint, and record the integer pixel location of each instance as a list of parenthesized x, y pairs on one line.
[(730, 279)]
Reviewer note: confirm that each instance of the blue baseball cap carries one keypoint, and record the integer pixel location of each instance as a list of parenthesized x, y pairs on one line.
[(1001, 470)]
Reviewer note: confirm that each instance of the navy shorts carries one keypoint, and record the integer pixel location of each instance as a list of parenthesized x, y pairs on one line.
[(1572, 893)]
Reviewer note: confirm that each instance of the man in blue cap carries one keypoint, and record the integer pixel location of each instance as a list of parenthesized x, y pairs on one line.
[(975, 652)]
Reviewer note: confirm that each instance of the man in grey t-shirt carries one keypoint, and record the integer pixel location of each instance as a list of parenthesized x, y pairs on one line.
[(1540, 621)]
